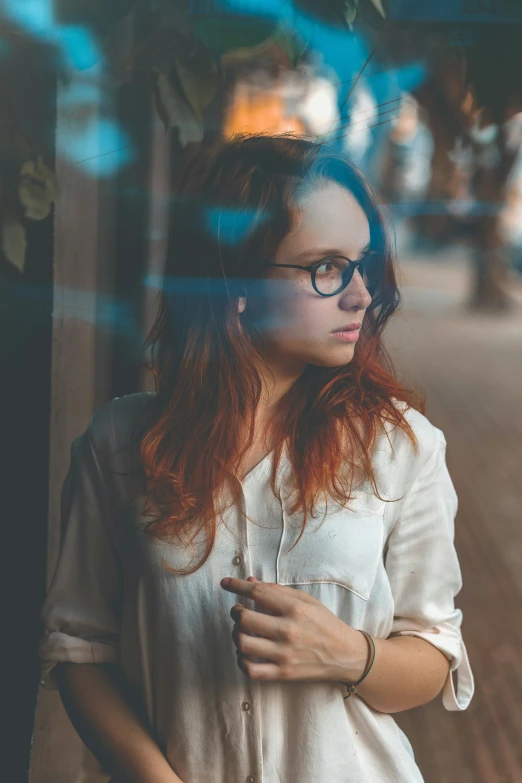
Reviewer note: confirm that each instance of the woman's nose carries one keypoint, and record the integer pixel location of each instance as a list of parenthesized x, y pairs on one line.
[(356, 295)]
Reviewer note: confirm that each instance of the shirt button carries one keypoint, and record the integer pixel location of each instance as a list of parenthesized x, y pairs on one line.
[(245, 705), (251, 779), (237, 560)]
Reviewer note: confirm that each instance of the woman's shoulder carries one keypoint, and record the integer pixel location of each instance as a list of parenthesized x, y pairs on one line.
[(119, 421), (428, 437)]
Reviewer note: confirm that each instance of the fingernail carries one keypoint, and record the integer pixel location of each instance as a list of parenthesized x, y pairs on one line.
[(226, 581)]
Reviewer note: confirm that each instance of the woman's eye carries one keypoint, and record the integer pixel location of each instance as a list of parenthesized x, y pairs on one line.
[(327, 268)]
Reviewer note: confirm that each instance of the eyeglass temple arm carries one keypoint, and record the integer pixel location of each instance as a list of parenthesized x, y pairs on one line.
[(316, 263)]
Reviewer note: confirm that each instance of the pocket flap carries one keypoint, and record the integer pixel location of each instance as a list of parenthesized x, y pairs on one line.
[(343, 547)]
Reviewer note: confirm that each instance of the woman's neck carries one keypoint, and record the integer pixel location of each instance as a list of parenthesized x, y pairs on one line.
[(277, 377), (276, 382)]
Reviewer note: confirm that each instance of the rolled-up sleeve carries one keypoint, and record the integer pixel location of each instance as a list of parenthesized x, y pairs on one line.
[(424, 572), (81, 612)]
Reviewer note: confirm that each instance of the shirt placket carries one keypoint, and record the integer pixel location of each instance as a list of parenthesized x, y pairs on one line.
[(249, 702)]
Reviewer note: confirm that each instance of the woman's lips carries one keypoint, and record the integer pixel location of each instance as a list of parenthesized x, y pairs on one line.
[(348, 334), (349, 327)]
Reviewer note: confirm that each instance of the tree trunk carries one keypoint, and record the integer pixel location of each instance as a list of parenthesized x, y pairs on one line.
[(489, 263), (489, 258)]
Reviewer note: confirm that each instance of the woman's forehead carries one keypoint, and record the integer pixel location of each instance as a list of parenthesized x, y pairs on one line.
[(329, 216)]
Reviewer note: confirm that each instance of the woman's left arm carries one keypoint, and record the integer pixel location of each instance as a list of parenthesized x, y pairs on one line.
[(407, 672), (425, 644)]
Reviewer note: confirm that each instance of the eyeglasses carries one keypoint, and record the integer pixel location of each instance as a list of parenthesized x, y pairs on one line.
[(332, 275)]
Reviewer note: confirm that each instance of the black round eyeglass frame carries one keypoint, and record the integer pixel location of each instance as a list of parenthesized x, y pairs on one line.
[(347, 276)]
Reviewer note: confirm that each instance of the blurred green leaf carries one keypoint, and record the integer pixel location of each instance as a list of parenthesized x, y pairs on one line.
[(188, 71), (14, 240), (379, 6), (174, 109), (282, 46), (198, 77), (350, 11), (37, 189)]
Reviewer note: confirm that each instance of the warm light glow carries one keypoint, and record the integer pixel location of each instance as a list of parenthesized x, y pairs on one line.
[(254, 110)]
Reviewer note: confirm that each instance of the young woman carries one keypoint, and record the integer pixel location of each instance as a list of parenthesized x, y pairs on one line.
[(279, 450)]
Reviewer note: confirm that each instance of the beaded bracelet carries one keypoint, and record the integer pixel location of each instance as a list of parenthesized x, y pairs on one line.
[(352, 688)]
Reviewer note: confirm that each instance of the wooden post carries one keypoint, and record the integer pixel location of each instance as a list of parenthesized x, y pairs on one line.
[(79, 383)]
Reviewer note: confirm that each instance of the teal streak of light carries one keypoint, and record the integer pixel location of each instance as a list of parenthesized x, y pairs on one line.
[(232, 226), (98, 146), (34, 16), (78, 46)]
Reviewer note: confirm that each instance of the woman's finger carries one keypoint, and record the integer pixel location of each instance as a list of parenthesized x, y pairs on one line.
[(267, 625), (280, 599), (260, 671), (256, 646)]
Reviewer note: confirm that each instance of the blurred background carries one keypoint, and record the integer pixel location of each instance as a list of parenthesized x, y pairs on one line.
[(101, 102)]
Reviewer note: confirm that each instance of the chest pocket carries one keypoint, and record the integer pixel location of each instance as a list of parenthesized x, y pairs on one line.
[(343, 546)]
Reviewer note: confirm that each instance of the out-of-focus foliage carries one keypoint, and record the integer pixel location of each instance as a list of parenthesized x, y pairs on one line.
[(37, 189), (281, 45), (188, 59), (186, 55), (186, 79), (28, 189), (14, 240), (339, 12), (189, 56)]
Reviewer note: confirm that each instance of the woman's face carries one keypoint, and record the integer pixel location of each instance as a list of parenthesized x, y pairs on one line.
[(297, 323)]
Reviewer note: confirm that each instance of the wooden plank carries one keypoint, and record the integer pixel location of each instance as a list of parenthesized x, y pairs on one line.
[(471, 370)]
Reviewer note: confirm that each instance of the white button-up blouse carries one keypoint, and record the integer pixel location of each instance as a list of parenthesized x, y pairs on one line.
[(388, 568)]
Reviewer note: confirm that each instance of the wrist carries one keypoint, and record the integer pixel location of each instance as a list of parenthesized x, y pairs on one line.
[(354, 657)]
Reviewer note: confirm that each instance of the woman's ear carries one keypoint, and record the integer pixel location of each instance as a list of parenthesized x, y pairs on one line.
[(241, 304)]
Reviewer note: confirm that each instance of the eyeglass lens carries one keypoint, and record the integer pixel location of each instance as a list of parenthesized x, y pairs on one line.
[(333, 274)]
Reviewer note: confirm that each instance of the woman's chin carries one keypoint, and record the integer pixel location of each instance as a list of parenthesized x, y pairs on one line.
[(340, 359)]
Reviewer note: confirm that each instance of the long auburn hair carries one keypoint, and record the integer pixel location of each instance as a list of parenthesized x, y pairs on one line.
[(235, 204)]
